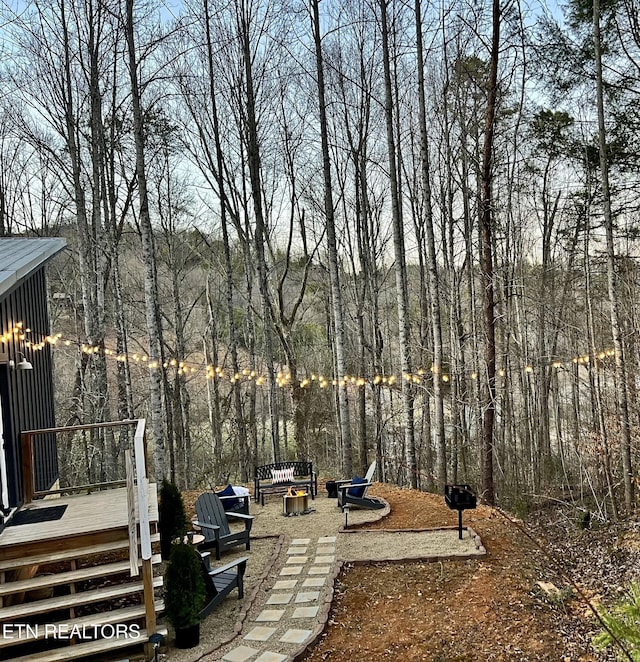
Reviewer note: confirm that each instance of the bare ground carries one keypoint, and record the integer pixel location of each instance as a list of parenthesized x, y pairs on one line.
[(487, 609), (491, 608)]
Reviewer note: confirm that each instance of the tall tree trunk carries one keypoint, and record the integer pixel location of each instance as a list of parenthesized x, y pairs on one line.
[(598, 423), (432, 265), (332, 247), (486, 266), (154, 329), (260, 234), (616, 330), (400, 262), (219, 176), (213, 388)]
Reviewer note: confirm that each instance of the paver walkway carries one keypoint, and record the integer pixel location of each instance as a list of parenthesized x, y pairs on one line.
[(289, 614)]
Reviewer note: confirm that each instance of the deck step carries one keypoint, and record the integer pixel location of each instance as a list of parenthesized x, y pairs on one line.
[(70, 577), (67, 554), (16, 636), (9, 614), (87, 649)]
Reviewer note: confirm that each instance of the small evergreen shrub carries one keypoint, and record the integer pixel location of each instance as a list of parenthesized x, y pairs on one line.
[(173, 519), (185, 591), (583, 520), (623, 623)]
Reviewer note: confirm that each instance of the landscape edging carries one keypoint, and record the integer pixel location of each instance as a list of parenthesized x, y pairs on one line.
[(323, 614), (248, 604)]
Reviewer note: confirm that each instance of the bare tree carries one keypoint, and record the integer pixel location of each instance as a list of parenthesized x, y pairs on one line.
[(154, 327), (432, 265), (616, 328), (400, 259), (332, 249), (486, 262)]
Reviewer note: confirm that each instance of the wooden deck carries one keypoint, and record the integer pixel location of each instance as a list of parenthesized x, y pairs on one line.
[(105, 533), (89, 518)]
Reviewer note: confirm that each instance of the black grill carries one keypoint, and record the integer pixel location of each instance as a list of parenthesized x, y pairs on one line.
[(459, 497)]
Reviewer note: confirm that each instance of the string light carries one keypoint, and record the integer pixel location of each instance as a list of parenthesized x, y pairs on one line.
[(20, 332)]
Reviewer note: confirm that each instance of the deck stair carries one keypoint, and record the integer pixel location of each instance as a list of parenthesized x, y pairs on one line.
[(74, 605), (93, 649)]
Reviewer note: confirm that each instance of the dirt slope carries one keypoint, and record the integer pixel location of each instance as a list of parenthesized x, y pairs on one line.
[(489, 609)]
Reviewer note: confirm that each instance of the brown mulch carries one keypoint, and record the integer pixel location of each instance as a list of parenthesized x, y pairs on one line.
[(457, 611)]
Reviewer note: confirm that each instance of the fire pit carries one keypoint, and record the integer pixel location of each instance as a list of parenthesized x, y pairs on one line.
[(295, 502), (459, 497)]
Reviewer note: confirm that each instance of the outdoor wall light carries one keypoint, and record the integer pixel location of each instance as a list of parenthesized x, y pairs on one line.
[(22, 364)]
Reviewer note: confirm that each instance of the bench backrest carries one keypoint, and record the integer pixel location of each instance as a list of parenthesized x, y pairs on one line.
[(299, 469)]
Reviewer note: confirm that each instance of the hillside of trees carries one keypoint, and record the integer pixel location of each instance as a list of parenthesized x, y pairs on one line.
[(339, 232)]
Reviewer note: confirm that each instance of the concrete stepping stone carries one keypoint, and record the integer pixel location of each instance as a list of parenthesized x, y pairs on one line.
[(305, 612), (325, 550), (268, 656), (326, 539), (295, 636), (319, 570), (297, 550), (240, 654), (314, 582), (285, 585), (297, 559), (321, 560), (309, 596), (302, 541), (291, 570), (270, 615), (259, 633), (280, 599)]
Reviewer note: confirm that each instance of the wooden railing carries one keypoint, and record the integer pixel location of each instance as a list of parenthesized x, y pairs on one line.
[(136, 481), (29, 437), (140, 451)]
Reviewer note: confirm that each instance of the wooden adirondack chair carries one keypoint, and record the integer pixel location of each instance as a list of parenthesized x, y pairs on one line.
[(355, 494), (221, 581), (214, 523)]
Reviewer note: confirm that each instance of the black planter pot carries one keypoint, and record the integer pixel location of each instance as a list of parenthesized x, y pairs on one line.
[(188, 637)]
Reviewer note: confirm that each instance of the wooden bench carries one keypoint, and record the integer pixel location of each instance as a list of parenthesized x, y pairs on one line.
[(303, 476)]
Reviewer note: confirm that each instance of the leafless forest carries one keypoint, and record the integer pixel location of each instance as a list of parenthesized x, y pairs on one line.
[(339, 231)]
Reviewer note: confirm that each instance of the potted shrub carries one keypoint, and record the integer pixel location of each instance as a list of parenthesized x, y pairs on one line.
[(172, 517), (184, 593)]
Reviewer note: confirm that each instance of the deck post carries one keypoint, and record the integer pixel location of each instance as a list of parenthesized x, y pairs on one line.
[(131, 515), (149, 601), (26, 442), (145, 528)]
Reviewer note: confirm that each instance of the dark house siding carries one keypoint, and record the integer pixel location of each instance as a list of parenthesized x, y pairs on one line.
[(27, 395)]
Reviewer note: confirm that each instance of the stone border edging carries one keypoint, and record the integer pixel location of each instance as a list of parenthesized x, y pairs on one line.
[(248, 604), (323, 615)]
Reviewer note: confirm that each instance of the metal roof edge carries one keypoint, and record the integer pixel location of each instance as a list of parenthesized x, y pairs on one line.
[(47, 247)]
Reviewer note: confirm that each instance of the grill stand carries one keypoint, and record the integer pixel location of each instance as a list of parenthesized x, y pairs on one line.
[(459, 497)]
